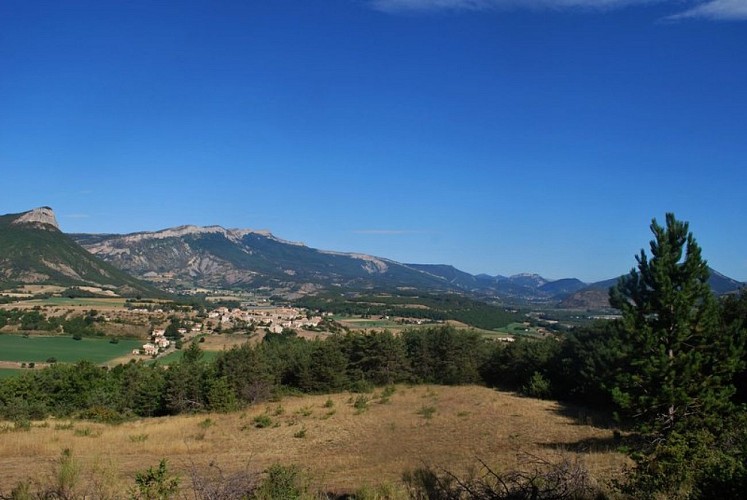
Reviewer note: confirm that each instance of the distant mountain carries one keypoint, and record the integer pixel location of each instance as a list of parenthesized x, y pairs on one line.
[(562, 287), (451, 274), (525, 280), (33, 250), (523, 287), (243, 258), (721, 284), (596, 295), (587, 298), (215, 257)]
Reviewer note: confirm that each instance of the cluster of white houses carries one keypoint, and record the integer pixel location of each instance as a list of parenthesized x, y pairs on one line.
[(158, 342), (275, 319)]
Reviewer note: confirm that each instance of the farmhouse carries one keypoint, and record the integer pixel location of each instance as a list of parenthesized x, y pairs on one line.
[(150, 349)]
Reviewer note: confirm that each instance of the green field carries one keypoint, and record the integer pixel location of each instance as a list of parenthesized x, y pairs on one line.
[(517, 329), (63, 348), (367, 323)]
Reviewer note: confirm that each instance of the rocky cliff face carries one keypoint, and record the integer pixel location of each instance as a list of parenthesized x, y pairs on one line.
[(43, 216), (213, 256)]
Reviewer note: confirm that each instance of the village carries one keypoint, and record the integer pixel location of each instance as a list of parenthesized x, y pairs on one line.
[(266, 319)]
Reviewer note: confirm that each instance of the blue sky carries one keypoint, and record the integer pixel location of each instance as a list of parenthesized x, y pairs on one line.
[(500, 136)]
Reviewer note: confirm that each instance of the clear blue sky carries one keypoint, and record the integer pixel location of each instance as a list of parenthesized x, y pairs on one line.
[(495, 135)]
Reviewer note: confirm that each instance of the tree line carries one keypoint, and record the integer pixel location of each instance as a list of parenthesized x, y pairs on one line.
[(434, 307)]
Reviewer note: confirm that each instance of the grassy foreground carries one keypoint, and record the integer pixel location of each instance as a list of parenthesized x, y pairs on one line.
[(344, 441)]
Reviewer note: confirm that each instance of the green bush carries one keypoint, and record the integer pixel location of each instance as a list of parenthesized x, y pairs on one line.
[(537, 387), (155, 484), (262, 421), (300, 434), (360, 403), (283, 482)]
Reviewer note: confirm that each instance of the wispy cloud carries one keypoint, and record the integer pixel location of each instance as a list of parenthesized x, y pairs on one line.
[(706, 9), (394, 6), (387, 231), (720, 10)]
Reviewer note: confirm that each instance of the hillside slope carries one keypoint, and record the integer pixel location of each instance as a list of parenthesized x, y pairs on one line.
[(213, 256), (33, 250), (342, 448)]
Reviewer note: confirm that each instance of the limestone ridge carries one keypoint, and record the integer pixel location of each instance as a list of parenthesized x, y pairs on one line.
[(215, 257), (38, 216)]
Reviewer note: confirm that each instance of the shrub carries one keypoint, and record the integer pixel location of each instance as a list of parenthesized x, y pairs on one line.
[(537, 387), (155, 483), (262, 421), (360, 403), (282, 481), (361, 386), (102, 414), (67, 475), (300, 434), (541, 479), (22, 424), (427, 412), (214, 484), (305, 411), (207, 423), (85, 432)]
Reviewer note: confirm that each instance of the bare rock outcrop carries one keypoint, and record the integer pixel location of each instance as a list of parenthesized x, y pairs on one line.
[(41, 215)]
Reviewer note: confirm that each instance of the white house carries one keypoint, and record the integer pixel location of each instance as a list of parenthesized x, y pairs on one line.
[(150, 349)]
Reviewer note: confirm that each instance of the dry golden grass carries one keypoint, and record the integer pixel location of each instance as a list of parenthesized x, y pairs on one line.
[(341, 447), (227, 341)]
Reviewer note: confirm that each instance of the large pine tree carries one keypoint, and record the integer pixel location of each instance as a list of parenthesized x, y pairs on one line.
[(682, 358)]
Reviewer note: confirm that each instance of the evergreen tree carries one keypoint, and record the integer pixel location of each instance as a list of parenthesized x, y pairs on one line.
[(326, 368), (682, 359), (734, 315), (376, 357)]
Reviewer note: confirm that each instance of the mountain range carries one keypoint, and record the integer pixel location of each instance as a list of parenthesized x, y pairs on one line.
[(34, 250), (215, 257)]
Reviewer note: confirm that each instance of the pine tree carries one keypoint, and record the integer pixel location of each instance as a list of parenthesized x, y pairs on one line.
[(682, 358)]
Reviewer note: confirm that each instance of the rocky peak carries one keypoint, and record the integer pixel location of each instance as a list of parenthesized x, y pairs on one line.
[(41, 215)]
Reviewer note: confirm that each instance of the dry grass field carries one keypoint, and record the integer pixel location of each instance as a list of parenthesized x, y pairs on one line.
[(340, 444)]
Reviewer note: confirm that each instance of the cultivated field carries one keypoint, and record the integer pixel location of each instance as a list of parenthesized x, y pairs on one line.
[(36, 348), (102, 304), (342, 445)]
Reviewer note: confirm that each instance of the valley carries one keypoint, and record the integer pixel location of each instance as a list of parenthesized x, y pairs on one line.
[(232, 357)]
